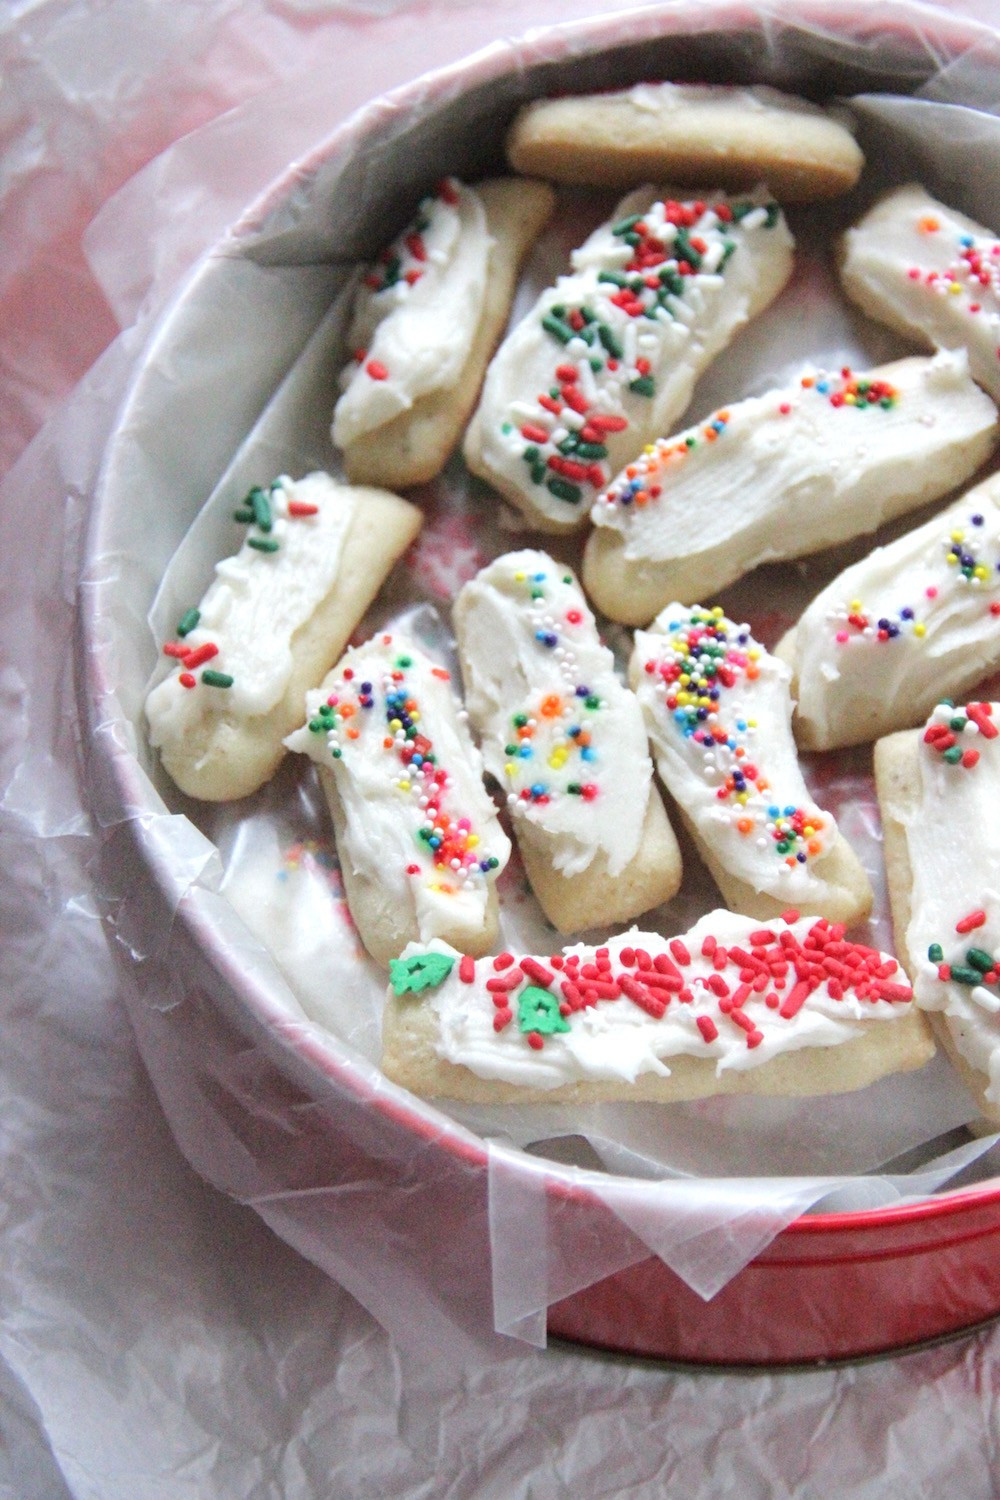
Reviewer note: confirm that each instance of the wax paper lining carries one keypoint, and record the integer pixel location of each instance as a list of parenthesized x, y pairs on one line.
[(275, 865)]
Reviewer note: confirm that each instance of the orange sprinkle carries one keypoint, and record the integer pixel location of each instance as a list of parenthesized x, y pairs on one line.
[(808, 382), (710, 434), (551, 706), (753, 673), (814, 846), (347, 711), (791, 861), (441, 672), (353, 734), (525, 732), (928, 224), (745, 825), (387, 743)]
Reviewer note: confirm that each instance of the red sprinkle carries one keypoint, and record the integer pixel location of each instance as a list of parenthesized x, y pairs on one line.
[(971, 922), (467, 969), (503, 961), (302, 508), (537, 972), (377, 370), (679, 951), (535, 1040), (707, 1027), (186, 680)]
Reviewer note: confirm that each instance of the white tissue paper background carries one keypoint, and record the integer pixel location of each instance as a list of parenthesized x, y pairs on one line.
[(156, 1339)]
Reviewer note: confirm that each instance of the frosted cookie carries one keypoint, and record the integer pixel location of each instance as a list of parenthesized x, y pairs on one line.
[(930, 273), (719, 716), (418, 838), (426, 319), (938, 790), (730, 1007), (780, 476), (275, 617), (566, 741), (607, 359), (689, 134), (913, 620)]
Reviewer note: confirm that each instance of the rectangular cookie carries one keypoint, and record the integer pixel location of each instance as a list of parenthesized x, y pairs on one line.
[(427, 318), (719, 715), (938, 791), (565, 740), (607, 359), (730, 1007), (419, 843), (274, 619), (783, 475)]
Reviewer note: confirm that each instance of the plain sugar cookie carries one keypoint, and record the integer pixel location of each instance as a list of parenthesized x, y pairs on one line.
[(690, 134)]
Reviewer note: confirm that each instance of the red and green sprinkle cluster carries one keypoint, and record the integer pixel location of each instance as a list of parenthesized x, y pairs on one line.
[(775, 967), (948, 725), (606, 352), (445, 839), (977, 966), (703, 656), (257, 512)]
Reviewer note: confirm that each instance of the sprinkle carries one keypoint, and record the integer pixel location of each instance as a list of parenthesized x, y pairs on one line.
[(970, 922), (217, 679), (188, 622)]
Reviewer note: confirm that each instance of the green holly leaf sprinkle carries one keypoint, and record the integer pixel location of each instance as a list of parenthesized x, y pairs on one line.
[(423, 971), (538, 1010)]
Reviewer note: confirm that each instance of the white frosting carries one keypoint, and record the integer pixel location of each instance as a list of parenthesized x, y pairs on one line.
[(799, 469), (929, 268), (618, 1040), (912, 621), (679, 98), (415, 329), (632, 365), (560, 732), (734, 771), (254, 606), (407, 773), (953, 837)]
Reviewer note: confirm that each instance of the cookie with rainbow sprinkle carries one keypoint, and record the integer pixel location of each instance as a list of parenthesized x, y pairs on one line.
[(565, 740), (938, 790), (914, 620), (930, 273), (718, 711), (731, 1006), (783, 475), (417, 835)]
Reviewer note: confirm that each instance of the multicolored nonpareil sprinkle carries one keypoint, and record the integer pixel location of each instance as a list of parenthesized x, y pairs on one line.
[(445, 839), (972, 273), (735, 987), (703, 656), (602, 354), (960, 561)]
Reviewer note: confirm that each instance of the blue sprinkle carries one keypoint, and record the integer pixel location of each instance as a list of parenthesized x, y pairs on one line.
[(741, 724), (789, 811), (434, 842), (587, 754), (525, 752), (773, 812), (539, 577), (539, 789), (966, 240)]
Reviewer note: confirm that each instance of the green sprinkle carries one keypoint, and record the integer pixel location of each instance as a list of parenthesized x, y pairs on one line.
[(624, 225), (563, 490), (740, 210), (691, 443), (935, 953), (520, 720), (958, 724), (614, 277), (263, 544), (187, 622), (593, 701), (530, 454), (633, 240), (317, 726), (538, 472), (591, 450), (610, 341), (643, 386), (954, 755), (243, 515), (404, 661), (506, 427), (424, 971), (596, 364), (558, 329), (216, 679), (336, 754), (772, 216), (538, 1010), (978, 958), (574, 789), (961, 975), (261, 507)]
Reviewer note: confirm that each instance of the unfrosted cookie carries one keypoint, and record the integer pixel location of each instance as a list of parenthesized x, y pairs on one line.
[(426, 320), (729, 1007), (930, 273), (418, 838), (913, 620), (938, 790), (783, 475), (566, 741), (607, 359), (690, 134), (719, 712), (275, 617)]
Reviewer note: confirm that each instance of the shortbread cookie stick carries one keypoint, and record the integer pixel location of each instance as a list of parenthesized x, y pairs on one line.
[(689, 134), (729, 1007), (938, 790), (566, 741), (719, 714), (418, 838), (930, 273), (276, 616), (781, 476), (607, 359), (427, 318), (920, 617)]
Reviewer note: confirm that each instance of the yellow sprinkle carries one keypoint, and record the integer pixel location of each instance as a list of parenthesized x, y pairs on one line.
[(742, 797), (855, 606), (509, 768), (472, 840), (753, 654), (395, 724), (958, 536), (850, 399), (808, 831), (649, 448), (952, 559), (520, 577), (920, 630), (954, 289), (751, 723), (980, 572), (404, 786), (717, 612), (414, 717), (557, 759)]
